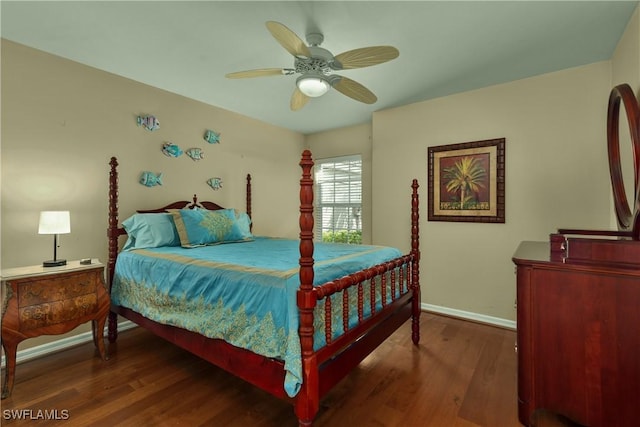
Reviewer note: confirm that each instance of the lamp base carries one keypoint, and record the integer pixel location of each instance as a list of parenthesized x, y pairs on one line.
[(54, 263)]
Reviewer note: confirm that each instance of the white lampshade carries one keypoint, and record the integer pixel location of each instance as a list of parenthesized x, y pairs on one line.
[(54, 222), (313, 85)]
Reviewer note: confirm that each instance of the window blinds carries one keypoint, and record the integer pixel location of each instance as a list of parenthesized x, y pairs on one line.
[(338, 197)]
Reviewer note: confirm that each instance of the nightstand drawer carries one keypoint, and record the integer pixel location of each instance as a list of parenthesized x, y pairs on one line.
[(57, 289), (47, 314)]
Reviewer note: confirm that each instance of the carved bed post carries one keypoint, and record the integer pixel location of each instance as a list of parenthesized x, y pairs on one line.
[(248, 202), (415, 263), (307, 400), (112, 234)]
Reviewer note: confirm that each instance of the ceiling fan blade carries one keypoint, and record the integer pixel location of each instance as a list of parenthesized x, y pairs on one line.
[(257, 73), (354, 90), (366, 56), (288, 39), (298, 100)]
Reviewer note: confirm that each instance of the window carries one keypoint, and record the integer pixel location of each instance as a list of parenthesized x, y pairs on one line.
[(338, 213)]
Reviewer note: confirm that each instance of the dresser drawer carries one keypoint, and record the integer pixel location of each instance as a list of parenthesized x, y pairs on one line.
[(47, 314), (53, 289)]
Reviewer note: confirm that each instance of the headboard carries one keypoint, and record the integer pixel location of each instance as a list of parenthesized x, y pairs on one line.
[(114, 230), (184, 204)]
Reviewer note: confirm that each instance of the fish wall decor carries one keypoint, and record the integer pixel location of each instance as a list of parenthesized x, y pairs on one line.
[(150, 123), (171, 150), (195, 153), (212, 137), (215, 183), (150, 179)]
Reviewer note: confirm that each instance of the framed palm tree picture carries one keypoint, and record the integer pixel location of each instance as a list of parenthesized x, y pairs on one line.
[(466, 181)]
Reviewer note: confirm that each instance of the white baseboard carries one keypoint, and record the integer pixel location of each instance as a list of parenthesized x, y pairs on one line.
[(61, 344), (468, 315)]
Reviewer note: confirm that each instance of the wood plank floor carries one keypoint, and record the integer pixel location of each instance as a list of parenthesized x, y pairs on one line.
[(463, 374)]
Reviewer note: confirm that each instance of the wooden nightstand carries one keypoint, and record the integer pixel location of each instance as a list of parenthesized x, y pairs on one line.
[(49, 301)]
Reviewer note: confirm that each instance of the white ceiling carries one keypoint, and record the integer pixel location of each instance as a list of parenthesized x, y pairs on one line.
[(445, 46)]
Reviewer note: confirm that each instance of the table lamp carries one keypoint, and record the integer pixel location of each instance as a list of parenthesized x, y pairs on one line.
[(54, 222)]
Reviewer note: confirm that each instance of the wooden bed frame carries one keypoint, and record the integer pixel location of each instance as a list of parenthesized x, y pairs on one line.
[(324, 368)]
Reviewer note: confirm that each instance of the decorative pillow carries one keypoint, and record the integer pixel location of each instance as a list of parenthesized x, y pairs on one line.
[(150, 230), (198, 227)]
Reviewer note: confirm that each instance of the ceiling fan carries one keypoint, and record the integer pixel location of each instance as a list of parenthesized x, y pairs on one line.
[(315, 65)]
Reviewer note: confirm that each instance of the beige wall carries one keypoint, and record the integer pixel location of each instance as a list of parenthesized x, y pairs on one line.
[(62, 122), (556, 176)]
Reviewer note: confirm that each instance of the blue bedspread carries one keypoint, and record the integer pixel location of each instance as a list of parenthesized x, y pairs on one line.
[(243, 293)]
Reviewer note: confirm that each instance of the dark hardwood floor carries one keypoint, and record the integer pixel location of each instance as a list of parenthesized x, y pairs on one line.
[(462, 374)]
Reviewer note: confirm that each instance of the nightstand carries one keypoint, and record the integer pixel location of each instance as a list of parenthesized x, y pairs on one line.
[(41, 300)]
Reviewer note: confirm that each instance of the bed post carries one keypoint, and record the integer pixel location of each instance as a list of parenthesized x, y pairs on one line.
[(112, 234), (248, 202), (307, 400), (415, 263)]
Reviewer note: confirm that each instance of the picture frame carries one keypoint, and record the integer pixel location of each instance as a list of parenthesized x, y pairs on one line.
[(466, 182)]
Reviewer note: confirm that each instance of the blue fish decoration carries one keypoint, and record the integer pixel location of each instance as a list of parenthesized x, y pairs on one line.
[(215, 183), (150, 123), (212, 137), (171, 150), (195, 153), (150, 179)]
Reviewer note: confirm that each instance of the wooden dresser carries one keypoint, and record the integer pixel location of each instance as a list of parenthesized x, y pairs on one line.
[(578, 330), (578, 304), (40, 300)]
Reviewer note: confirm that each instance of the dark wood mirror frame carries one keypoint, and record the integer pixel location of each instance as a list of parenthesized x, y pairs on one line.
[(628, 215)]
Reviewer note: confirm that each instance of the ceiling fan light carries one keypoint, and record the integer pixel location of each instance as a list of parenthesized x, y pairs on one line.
[(313, 86)]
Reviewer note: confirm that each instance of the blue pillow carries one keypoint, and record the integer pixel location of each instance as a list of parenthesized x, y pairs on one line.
[(198, 227), (150, 230)]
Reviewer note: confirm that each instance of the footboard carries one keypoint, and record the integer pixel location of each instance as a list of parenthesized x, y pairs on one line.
[(386, 285)]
